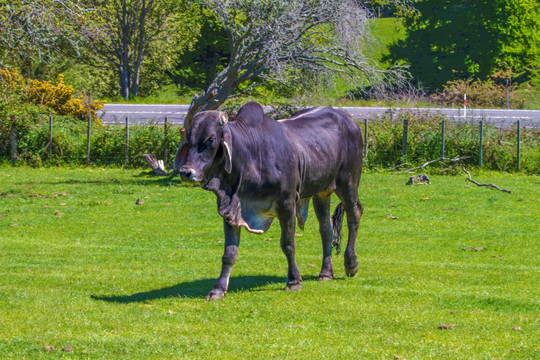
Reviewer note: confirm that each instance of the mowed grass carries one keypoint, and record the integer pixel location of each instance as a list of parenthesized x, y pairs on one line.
[(82, 265)]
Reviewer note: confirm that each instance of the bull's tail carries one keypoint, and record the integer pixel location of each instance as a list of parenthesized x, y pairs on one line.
[(336, 224)]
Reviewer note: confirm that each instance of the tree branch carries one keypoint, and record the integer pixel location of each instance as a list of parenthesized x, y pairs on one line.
[(454, 160), (488, 185)]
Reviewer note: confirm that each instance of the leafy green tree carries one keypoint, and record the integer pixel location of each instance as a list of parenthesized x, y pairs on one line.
[(196, 68), (457, 39), (130, 35)]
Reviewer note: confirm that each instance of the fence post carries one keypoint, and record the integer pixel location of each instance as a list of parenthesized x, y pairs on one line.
[(365, 138), (50, 136), (508, 93), (88, 132), (443, 126), (518, 142), (165, 143), (480, 149), (405, 136), (13, 139), (127, 143)]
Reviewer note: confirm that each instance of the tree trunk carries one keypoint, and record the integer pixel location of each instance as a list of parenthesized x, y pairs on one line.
[(135, 81), (140, 48), (13, 140), (211, 99), (124, 82), (124, 53)]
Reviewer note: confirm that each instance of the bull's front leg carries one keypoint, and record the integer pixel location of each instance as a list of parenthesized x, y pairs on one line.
[(287, 221), (232, 240)]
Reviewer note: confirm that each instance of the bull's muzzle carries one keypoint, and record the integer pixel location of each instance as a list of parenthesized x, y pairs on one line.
[(189, 174)]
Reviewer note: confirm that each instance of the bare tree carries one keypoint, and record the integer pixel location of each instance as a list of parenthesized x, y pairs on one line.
[(37, 30), (279, 38)]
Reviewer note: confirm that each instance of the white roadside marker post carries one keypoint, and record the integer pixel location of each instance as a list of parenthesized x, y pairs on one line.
[(465, 106)]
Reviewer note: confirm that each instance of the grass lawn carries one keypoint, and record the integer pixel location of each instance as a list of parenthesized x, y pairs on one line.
[(81, 265)]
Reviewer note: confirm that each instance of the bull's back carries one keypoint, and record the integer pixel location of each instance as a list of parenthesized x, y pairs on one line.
[(325, 139)]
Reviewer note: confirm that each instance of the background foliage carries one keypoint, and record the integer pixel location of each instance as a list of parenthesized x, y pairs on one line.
[(452, 40), (187, 44)]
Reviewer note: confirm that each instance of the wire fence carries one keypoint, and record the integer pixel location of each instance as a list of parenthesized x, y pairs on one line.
[(391, 139), (412, 137)]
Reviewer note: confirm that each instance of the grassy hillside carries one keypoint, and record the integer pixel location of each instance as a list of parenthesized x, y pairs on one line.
[(385, 31)]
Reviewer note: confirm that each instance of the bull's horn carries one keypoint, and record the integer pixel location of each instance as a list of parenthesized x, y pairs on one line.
[(224, 118)]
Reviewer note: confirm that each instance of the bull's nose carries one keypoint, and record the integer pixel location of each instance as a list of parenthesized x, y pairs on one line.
[(185, 172), (188, 173)]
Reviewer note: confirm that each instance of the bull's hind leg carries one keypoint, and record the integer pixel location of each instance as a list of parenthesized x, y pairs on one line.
[(232, 240), (353, 209), (321, 205), (354, 213), (287, 221)]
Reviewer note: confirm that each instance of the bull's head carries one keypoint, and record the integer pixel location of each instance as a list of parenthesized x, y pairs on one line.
[(207, 145)]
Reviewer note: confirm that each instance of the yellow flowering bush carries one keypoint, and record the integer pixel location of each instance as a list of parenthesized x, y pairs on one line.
[(11, 78), (59, 97)]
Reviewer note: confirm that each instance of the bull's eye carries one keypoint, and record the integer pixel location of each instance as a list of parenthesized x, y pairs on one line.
[(207, 144)]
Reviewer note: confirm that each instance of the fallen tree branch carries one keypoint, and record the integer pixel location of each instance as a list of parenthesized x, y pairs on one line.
[(155, 164), (488, 185), (454, 160), (397, 166)]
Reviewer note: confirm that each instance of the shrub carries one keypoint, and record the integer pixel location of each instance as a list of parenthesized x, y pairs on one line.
[(25, 106), (57, 97), (482, 94), (107, 144), (60, 99)]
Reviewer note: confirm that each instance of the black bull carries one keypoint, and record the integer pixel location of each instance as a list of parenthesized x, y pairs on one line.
[(260, 168)]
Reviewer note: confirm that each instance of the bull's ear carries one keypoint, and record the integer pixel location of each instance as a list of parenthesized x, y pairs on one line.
[(227, 148), (181, 155), (224, 118)]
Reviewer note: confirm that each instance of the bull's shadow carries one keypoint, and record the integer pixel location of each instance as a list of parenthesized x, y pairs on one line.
[(197, 289)]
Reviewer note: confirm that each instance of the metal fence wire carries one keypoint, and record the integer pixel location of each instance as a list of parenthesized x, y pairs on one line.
[(412, 138), (389, 140)]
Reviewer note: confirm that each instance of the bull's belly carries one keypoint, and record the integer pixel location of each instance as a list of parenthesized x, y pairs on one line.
[(317, 186), (258, 214)]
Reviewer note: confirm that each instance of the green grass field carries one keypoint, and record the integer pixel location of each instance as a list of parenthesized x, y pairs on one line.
[(83, 266)]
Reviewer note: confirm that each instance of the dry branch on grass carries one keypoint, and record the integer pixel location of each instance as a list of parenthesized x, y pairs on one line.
[(155, 164), (488, 185), (398, 166), (453, 160)]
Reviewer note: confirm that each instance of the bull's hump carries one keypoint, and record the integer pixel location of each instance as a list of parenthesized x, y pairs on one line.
[(251, 113)]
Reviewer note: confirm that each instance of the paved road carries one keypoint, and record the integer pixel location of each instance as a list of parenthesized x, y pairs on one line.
[(116, 113)]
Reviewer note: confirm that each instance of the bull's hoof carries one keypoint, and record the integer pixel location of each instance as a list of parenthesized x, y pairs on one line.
[(351, 270), (326, 275), (214, 296), (293, 287)]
